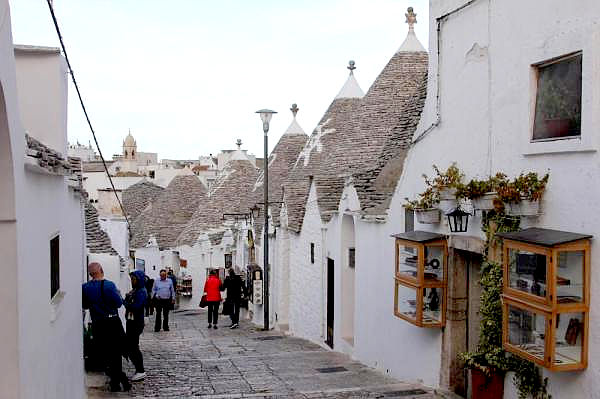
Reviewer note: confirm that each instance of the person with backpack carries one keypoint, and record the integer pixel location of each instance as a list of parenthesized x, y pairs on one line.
[(103, 299), (135, 302)]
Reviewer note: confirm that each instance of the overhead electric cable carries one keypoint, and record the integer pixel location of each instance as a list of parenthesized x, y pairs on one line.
[(62, 45)]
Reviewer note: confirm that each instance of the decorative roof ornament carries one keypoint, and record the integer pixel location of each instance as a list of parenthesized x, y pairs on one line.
[(411, 43), (351, 66), (294, 110), (239, 144), (411, 18), (351, 89), (294, 127)]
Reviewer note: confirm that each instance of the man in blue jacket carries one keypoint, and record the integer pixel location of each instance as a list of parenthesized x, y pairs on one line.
[(135, 302), (163, 294), (103, 300)]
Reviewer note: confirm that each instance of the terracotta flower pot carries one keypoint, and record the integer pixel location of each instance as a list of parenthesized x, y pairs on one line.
[(484, 387), (557, 127)]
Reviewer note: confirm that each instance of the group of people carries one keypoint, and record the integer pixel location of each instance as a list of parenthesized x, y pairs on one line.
[(212, 295), (103, 300)]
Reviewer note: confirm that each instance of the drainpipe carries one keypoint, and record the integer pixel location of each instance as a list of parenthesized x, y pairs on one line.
[(438, 117)]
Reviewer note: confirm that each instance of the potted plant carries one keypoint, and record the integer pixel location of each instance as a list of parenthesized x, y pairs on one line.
[(446, 183), (531, 189), (425, 207), (556, 110), (482, 193)]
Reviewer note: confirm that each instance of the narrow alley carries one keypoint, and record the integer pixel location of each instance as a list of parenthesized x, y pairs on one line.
[(192, 361)]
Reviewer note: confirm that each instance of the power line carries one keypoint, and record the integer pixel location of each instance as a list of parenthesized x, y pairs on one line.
[(62, 45)]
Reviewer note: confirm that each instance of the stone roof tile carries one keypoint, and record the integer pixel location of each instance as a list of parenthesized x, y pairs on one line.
[(138, 196), (169, 213)]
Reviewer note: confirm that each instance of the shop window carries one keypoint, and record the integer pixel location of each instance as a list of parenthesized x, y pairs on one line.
[(558, 98), (312, 252), (546, 297), (421, 278), (228, 260), (54, 266)]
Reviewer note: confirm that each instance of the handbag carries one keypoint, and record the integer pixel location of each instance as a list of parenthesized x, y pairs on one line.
[(203, 302), (227, 307)]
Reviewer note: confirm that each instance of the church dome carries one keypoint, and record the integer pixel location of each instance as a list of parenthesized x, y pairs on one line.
[(129, 141)]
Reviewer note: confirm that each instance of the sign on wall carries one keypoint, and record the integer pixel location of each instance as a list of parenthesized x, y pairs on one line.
[(257, 292)]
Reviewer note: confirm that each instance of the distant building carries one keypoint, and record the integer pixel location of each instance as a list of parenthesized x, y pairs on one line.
[(84, 152)]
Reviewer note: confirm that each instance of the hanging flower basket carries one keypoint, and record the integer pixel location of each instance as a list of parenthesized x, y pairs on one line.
[(428, 216), (529, 208), (512, 208), (448, 193), (447, 205), (485, 202)]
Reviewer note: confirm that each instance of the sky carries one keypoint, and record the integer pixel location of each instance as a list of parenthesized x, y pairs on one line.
[(186, 76)]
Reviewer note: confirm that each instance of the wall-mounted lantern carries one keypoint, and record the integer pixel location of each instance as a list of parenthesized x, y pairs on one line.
[(458, 220)]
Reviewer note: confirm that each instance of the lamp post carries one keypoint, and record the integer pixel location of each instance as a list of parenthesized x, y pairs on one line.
[(265, 116)]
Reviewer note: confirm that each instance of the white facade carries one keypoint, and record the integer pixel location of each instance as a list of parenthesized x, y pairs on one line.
[(486, 85), (94, 181), (38, 331)]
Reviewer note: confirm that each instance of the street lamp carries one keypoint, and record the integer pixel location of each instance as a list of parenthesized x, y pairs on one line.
[(265, 116)]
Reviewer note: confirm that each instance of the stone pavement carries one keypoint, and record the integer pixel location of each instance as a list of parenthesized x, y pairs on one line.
[(192, 361)]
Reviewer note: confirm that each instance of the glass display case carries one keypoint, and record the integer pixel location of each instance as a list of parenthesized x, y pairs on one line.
[(546, 297), (421, 278)]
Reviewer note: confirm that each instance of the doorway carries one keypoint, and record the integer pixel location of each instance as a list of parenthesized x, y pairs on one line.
[(330, 302)]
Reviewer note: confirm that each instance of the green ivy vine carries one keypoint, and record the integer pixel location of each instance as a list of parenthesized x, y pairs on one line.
[(489, 356)]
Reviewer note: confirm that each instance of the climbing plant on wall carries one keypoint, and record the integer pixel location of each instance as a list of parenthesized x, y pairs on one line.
[(490, 356)]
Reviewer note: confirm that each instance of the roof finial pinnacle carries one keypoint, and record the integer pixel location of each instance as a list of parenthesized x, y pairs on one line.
[(351, 66), (411, 18), (294, 109), (239, 144)]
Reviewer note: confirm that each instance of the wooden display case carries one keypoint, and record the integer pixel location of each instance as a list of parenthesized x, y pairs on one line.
[(546, 297), (421, 278)]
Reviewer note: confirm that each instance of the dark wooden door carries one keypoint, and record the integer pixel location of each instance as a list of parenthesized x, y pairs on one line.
[(330, 302)]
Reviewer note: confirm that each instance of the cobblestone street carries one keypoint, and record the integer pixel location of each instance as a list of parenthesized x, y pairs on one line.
[(192, 361)]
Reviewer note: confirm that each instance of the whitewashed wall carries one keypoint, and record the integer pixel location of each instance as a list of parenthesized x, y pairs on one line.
[(119, 235), (306, 316), (486, 96), (37, 331)]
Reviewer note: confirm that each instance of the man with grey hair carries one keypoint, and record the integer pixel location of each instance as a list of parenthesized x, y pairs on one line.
[(103, 300)]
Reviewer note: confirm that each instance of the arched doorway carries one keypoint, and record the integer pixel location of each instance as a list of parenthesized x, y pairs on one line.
[(9, 374), (348, 279)]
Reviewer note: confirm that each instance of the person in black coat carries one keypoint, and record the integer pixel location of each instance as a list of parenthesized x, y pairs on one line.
[(135, 302), (234, 286), (149, 282)]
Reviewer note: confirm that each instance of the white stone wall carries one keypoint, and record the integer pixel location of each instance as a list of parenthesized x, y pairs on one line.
[(306, 316), (38, 331), (119, 235)]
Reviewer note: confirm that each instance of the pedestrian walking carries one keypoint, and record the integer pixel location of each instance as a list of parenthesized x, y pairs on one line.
[(173, 278), (234, 286), (103, 300), (163, 295), (212, 290), (135, 302), (149, 282)]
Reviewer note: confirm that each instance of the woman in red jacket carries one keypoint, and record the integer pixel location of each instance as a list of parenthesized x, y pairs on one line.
[(212, 290)]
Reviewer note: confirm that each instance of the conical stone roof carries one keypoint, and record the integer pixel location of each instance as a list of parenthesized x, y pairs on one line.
[(138, 196), (166, 217), (353, 136), (230, 193)]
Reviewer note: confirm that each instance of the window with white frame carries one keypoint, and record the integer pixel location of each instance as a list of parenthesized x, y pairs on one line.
[(558, 98)]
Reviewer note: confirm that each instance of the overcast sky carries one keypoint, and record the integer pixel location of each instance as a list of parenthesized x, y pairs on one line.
[(186, 76)]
